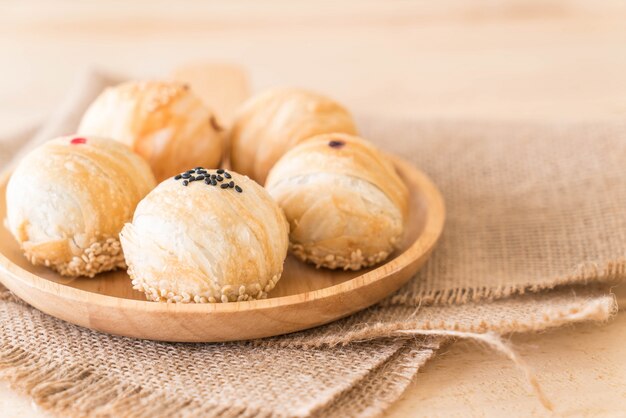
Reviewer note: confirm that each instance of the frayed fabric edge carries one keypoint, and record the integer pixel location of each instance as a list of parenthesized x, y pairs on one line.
[(609, 272), (597, 310), (77, 391)]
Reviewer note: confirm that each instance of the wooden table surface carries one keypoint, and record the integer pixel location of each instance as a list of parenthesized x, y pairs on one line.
[(452, 59)]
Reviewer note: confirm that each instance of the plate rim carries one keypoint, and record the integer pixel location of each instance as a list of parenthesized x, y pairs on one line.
[(423, 245)]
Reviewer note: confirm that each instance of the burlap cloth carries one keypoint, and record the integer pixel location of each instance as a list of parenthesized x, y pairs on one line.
[(536, 234)]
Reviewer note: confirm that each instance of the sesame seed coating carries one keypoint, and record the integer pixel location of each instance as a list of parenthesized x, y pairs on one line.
[(103, 255)]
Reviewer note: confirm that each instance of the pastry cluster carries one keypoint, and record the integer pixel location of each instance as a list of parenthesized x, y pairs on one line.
[(90, 203), (345, 203)]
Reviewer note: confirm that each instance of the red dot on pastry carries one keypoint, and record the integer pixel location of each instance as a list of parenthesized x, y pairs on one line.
[(336, 144), (76, 141)]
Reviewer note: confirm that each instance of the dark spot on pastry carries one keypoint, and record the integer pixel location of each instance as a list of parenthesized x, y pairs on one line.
[(336, 144), (214, 124)]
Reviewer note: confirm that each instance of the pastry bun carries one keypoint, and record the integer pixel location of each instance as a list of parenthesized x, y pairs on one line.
[(269, 124), (164, 122), (68, 200), (344, 201), (206, 236)]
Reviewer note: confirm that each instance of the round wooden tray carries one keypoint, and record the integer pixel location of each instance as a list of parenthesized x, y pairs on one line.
[(305, 297)]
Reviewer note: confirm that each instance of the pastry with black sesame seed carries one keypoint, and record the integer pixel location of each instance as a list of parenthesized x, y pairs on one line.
[(202, 243), (345, 203), (68, 200), (164, 122), (269, 124)]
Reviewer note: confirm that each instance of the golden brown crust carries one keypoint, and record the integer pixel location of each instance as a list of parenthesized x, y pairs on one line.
[(204, 243), (162, 121), (66, 203), (271, 123), (345, 203)]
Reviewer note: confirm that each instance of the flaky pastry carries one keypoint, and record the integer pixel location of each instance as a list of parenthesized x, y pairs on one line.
[(206, 236), (344, 201), (164, 122), (269, 124), (68, 200)]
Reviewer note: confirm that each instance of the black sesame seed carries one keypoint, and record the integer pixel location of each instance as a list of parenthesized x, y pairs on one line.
[(178, 176), (213, 176), (231, 184), (213, 182), (190, 171), (185, 175), (192, 178), (201, 171), (198, 168), (227, 175), (220, 178), (220, 171), (200, 177), (185, 182), (224, 185), (238, 189), (207, 181)]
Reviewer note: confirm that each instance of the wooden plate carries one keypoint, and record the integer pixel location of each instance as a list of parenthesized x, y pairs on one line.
[(305, 297)]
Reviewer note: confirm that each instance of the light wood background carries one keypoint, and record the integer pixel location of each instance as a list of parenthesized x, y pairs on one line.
[(451, 59)]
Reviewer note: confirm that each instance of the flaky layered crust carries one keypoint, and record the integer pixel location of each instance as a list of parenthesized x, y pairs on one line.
[(162, 121), (202, 243), (344, 201), (271, 123), (67, 203)]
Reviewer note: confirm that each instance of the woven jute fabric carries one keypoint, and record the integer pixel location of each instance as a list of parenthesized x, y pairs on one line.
[(530, 206), (535, 235)]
